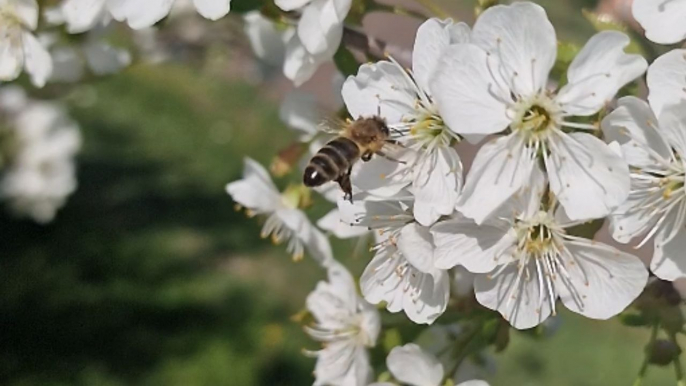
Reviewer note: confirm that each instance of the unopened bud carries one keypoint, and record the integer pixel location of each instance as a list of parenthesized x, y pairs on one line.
[(286, 159), (662, 352)]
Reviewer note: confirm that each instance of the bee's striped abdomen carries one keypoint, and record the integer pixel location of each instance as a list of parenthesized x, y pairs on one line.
[(332, 161)]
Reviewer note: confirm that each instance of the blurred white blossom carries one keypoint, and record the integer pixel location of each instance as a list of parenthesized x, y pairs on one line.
[(664, 21), (346, 325), (267, 39), (653, 141), (285, 221), (39, 144), (19, 48)]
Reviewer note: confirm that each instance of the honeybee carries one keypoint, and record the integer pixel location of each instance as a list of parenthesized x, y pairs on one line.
[(359, 139)]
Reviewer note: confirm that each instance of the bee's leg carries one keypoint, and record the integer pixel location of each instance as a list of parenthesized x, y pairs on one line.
[(386, 156), (366, 156), (346, 186)]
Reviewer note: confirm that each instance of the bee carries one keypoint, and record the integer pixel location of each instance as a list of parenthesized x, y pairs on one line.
[(359, 139)]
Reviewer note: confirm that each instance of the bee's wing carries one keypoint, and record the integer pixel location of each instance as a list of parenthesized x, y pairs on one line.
[(331, 125)]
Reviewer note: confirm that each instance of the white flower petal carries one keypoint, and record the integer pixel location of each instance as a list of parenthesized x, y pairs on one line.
[(365, 210), (316, 243), (11, 53), (501, 168), (413, 366), (467, 97), (342, 363), (437, 185), (299, 111), (598, 72), (146, 13), (474, 383), (380, 176), (256, 189), (82, 15), (667, 80), (390, 278), (663, 20), (478, 248), (630, 220), (37, 60), (291, 5), (673, 125), (588, 178), (416, 244), (333, 223), (380, 88), (432, 38), (606, 279), (523, 39), (267, 41), (26, 11), (634, 116), (519, 302), (669, 260), (299, 65), (213, 9)]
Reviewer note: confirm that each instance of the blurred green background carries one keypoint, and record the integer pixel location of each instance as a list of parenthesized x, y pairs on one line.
[(150, 277)]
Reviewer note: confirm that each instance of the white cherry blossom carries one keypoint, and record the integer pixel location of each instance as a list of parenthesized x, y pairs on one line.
[(497, 83), (39, 171), (285, 222), (412, 366), (432, 167), (19, 48), (320, 27), (346, 325), (653, 142), (402, 272), (526, 260), (664, 21)]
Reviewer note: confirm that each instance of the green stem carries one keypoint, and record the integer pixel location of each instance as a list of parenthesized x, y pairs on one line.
[(644, 366), (434, 8), (464, 351), (678, 369)]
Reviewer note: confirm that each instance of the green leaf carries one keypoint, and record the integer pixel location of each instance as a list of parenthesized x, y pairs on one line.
[(345, 61), (244, 6), (634, 320)]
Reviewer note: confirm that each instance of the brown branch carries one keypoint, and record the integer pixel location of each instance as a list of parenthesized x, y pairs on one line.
[(374, 47)]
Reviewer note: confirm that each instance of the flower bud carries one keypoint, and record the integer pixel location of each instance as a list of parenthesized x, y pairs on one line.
[(662, 352)]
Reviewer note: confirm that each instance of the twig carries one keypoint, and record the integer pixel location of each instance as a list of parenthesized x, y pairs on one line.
[(374, 47)]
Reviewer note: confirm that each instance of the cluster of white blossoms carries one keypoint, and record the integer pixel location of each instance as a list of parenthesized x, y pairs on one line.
[(38, 144), (550, 159)]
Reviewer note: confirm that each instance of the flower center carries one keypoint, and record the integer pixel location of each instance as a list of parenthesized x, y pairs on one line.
[(427, 128), (296, 196), (535, 117), (536, 236)]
